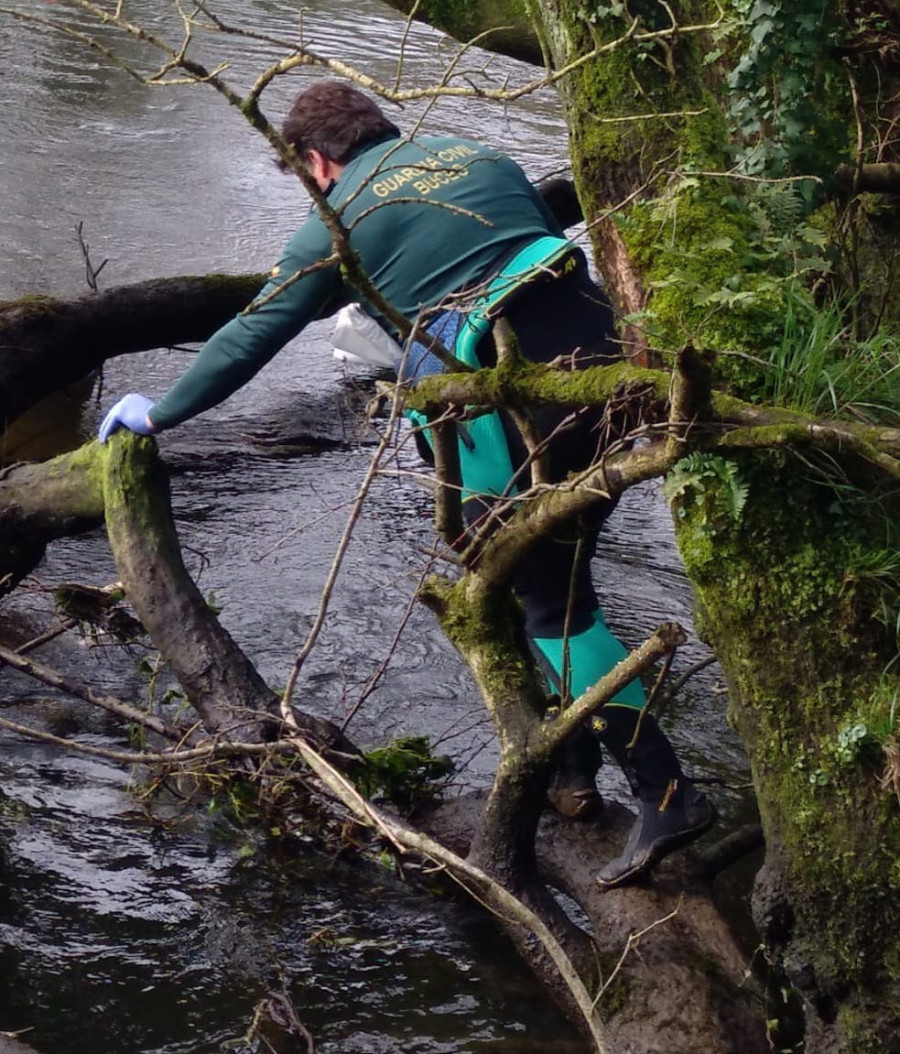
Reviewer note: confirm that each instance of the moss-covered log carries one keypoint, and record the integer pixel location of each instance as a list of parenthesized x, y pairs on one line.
[(502, 26), (46, 344), (40, 503), (221, 684), (125, 484)]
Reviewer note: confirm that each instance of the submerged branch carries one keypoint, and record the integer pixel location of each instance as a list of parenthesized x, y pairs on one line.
[(715, 859), (508, 907), (72, 686)]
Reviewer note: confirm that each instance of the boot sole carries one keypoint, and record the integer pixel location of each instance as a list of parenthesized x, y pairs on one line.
[(660, 849)]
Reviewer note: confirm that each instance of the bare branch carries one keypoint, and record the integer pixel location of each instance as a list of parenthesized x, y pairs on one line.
[(73, 686), (492, 893), (327, 590)]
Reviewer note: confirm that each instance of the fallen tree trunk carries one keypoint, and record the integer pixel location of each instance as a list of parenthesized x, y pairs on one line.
[(220, 682), (674, 979), (502, 26), (46, 344), (39, 503)]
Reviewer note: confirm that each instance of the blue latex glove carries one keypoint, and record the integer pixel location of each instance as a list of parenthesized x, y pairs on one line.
[(129, 412)]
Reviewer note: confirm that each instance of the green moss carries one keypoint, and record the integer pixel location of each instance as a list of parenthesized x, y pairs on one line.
[(627, 82), (486, 627), (691, 238), (709, 282), (507, 23), (795, 632), (618, 995), (135, 487), (35, 302), (540, 384)]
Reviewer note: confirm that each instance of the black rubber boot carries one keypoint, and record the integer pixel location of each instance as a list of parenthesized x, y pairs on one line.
[(671, 812), (573, 791)]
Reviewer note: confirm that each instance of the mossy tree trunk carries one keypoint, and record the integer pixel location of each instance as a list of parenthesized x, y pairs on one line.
[(785, 600), (783, 595), (791, 594)]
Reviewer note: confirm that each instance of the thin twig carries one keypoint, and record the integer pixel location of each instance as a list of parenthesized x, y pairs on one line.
[(499, 899), (72, 686), (327, 590), (634, 939)]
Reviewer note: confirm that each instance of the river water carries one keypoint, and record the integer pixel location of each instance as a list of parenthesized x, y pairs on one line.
[(126, 934)]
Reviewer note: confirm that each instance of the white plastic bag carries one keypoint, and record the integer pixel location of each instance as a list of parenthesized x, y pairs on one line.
[(359, 339)]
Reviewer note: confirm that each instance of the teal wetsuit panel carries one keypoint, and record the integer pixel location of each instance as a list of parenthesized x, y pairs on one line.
[(592, 654), (485, 463)]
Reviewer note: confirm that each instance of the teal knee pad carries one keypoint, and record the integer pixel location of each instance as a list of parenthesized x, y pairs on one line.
[(591, 654), (484, 461)]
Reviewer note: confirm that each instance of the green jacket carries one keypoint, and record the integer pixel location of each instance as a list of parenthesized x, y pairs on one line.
[(428, 217)]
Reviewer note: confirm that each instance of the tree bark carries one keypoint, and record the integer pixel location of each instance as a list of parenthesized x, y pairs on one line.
[(40, 503), (47, 344), (807, 660), (125, 483), (682, 986), (502, 26)]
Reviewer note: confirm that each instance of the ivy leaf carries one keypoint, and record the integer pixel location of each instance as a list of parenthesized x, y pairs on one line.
[(761, 30)]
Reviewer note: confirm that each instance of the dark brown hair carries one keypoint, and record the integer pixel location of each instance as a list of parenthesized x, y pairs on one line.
[(333, 117)]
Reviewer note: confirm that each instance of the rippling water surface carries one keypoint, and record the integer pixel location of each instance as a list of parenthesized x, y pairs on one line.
[(125, 935)]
